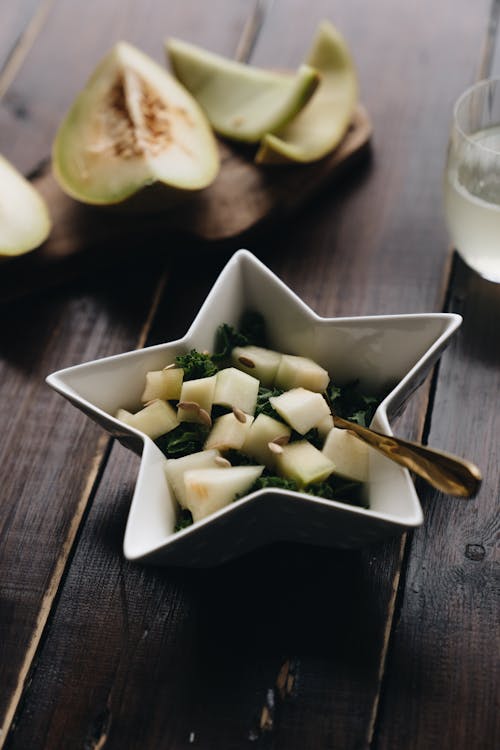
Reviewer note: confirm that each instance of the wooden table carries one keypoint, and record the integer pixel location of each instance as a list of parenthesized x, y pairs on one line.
[(292, 647)]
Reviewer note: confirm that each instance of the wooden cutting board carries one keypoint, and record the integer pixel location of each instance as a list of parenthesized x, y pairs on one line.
[(243, 197)]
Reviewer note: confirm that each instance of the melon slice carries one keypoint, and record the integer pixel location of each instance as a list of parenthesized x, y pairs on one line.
[(322, 124), (304, 463), (131, 127), (300, 408), (349, 454), (208, 490), (242, 102), (155, 419), (175, 469), (24, 218)]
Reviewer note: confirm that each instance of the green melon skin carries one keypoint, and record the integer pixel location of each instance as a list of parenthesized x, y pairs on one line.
[(242, 102), (24, 217), (322, 124), (133, 132)]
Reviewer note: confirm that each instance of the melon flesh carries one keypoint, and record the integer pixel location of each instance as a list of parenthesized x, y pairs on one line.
[(349, 454), (133, 125), (300, 408), (304, 463), (24, 219), (242, 102), (175, 469), (208, 490), (324, 121)]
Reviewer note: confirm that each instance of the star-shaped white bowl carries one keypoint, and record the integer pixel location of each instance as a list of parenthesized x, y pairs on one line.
[(389, 354)]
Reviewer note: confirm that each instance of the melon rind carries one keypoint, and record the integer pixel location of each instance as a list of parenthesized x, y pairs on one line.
[(24, 217), (322, 124), (133, 126), (241, 101)]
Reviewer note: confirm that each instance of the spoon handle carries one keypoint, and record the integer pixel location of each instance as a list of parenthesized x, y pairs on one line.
[(447, 473)]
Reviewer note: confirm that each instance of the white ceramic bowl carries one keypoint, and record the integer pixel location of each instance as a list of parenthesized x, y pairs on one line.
[(390, 353)]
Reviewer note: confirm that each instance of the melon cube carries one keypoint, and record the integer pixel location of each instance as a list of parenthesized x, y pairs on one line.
[(264, 365), (324, 426), (350, 455), (264, 430), (199, 391), (155, 419), (304, 463), (165, 384), (208, 490), (175, 469), (296, 371), (236, 389), (125, 416), (300, 408), (228, 432)]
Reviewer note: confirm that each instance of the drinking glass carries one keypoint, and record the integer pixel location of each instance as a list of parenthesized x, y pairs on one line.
[(472, 178)]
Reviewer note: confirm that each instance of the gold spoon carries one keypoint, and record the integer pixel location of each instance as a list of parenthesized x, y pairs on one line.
[(447, 473)]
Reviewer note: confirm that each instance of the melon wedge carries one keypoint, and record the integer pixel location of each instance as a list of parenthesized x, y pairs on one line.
[(131, 127), (24, 218), (242, 102), (322, 124)]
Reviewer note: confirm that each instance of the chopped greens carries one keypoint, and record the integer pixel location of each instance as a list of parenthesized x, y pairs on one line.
[(263, 403), (188, 437), (196, 365), (349, 402), (185, 519), (251, 332), (226, 339), (337, 488)]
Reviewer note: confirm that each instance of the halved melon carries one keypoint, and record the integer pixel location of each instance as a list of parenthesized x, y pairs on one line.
[(322, 124), (133, 126), (242, 102), (24, 218)]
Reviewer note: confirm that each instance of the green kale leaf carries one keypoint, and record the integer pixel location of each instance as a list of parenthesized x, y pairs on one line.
[(196, 365), (351, 403), (184, 520), (188, 437)]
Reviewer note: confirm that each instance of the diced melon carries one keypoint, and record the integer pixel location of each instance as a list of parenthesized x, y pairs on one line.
[(324, 426), (155, 419), (175, 469), (263, 431), (349, 454), (264, 365), (296, 371), (165, 384), (236, 389), (125, 416), (208, 490), (199, 391), (228, 432), (304, 463), (300, 408)]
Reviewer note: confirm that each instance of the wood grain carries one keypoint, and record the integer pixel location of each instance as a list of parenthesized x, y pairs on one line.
[(244, 197), (443, 669), (17, 18), (45, 497), (286, 647)]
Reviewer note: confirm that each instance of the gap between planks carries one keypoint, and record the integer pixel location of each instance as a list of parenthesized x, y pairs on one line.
[(244, 48), (23, 45), (483, 71), (94, 475)]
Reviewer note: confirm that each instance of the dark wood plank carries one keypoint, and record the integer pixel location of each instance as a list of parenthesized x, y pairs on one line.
[(51, 456), (443, 679), (20, 21), (243, 198), (31, 110), (172, 658)]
